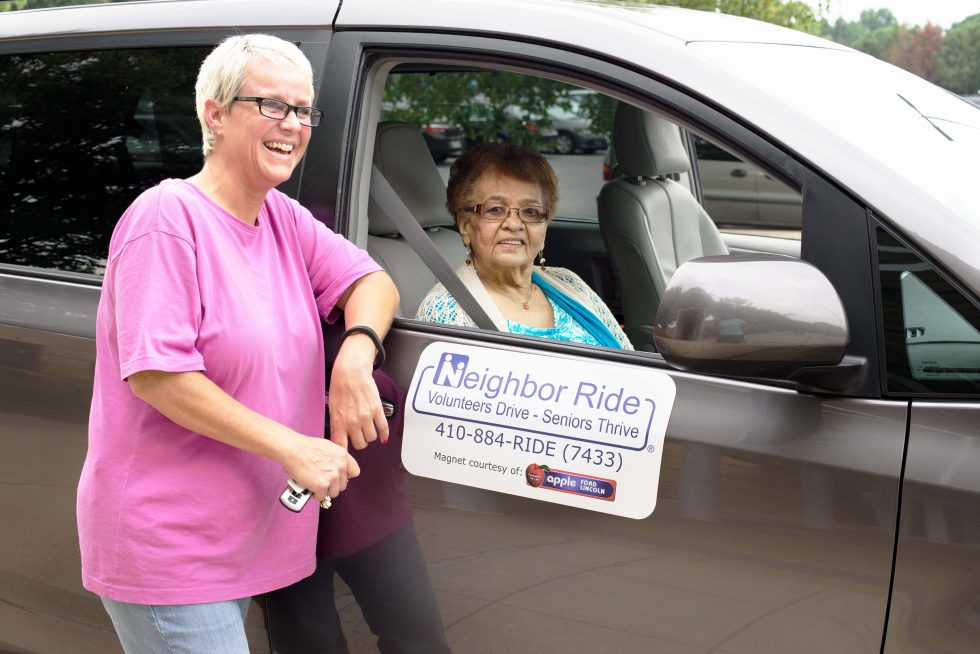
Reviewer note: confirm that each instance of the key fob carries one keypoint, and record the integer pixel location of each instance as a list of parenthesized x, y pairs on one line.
[(294, 497)]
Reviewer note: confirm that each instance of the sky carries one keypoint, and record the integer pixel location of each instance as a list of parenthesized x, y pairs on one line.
[(911, 12)]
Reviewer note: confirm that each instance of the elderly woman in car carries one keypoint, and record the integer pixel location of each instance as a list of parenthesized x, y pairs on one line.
[(503, 197)]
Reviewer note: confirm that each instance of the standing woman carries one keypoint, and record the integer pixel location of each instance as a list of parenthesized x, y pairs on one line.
[(209, 379)]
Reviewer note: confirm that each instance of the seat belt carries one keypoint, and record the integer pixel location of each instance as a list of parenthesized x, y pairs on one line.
[(411, 230)]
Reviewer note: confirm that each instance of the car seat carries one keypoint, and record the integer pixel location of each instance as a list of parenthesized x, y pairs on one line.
[(651, 224), (402, 156)]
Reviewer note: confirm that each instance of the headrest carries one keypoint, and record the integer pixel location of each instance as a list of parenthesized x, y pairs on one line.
[(647, 145), (403, 157)]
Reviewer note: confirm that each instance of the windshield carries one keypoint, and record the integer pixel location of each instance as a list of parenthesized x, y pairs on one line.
[(927, 135)]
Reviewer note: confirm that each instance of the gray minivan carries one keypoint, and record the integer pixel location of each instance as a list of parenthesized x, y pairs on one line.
[(817, 488)]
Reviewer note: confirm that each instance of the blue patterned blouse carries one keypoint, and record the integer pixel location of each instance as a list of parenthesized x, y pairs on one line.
[(566, 328)]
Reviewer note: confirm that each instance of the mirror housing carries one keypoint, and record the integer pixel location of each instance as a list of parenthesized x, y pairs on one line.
[(752, 316)]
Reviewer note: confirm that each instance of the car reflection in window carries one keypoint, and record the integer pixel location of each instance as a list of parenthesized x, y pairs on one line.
[(737, 193)]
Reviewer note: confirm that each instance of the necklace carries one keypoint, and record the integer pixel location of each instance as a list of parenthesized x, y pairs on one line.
[(526, 302)]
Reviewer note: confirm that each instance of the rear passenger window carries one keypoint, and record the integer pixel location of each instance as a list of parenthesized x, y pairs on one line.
[(81, 135)]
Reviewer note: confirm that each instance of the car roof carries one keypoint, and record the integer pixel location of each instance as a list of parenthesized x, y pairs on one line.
[(540, 17), (165, 15)]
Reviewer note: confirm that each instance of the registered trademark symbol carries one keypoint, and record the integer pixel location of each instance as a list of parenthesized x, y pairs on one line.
[(651, 448)]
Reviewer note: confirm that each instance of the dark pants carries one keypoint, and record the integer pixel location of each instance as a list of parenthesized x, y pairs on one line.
[(391, 585)]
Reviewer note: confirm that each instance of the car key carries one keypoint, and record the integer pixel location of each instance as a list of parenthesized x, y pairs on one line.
[(295, 496)]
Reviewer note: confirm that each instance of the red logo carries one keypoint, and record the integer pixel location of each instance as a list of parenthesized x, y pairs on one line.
[(535, 475)]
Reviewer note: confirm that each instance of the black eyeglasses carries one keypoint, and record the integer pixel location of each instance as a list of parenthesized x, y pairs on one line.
[(497, 212), (277, 110)]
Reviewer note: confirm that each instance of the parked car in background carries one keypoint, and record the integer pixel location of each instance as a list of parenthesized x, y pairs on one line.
[(734, 193), (795, 439), (574, 132), (538, 130), (737, 193), (444, 140)]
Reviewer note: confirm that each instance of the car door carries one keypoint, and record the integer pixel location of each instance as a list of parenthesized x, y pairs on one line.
[(90, 120), (56, 226), (932, 345), (775, 520)]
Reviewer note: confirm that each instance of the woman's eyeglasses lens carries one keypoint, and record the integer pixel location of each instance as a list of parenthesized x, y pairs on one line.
[(277, 110), (498, 212)]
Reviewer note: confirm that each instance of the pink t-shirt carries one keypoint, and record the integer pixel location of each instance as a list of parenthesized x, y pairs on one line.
[(165, 515)]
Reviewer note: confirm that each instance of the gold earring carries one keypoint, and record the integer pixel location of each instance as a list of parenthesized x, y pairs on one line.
[(541, 260)]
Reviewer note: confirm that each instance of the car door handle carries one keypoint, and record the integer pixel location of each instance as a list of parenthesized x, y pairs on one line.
[(738, 172), (387, 407)]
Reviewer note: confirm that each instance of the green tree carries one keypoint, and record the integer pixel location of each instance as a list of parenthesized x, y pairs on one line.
[(958, 64), (843, 31), (492, 105), (877, 19), (878, 29), (873, 33)]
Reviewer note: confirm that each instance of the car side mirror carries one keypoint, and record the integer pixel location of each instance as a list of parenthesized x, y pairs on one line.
[(764, 316)]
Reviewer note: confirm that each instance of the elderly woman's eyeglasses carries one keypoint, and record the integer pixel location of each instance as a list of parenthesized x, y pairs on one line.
[(497, 212), (277, 110)]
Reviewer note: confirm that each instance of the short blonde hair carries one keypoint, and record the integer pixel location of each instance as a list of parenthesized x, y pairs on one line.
[(223, 72)]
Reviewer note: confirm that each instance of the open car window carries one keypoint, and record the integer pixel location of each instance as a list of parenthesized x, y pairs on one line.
[(455, 109), (617, 228)]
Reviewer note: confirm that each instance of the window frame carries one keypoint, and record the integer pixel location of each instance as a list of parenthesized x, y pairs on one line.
[(365, 51)]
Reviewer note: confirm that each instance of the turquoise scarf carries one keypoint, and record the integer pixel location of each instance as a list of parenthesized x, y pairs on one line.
[(583, 316)]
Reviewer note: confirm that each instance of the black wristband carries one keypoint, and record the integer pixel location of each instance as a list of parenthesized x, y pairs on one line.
[(364, 329)]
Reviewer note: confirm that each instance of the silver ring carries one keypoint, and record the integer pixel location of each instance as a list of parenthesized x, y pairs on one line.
[(325, 503)]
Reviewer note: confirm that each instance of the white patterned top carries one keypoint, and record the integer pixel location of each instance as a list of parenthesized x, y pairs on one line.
[(440, 306)]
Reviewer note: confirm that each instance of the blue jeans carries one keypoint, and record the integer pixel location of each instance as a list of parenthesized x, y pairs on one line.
[(215, 628)]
